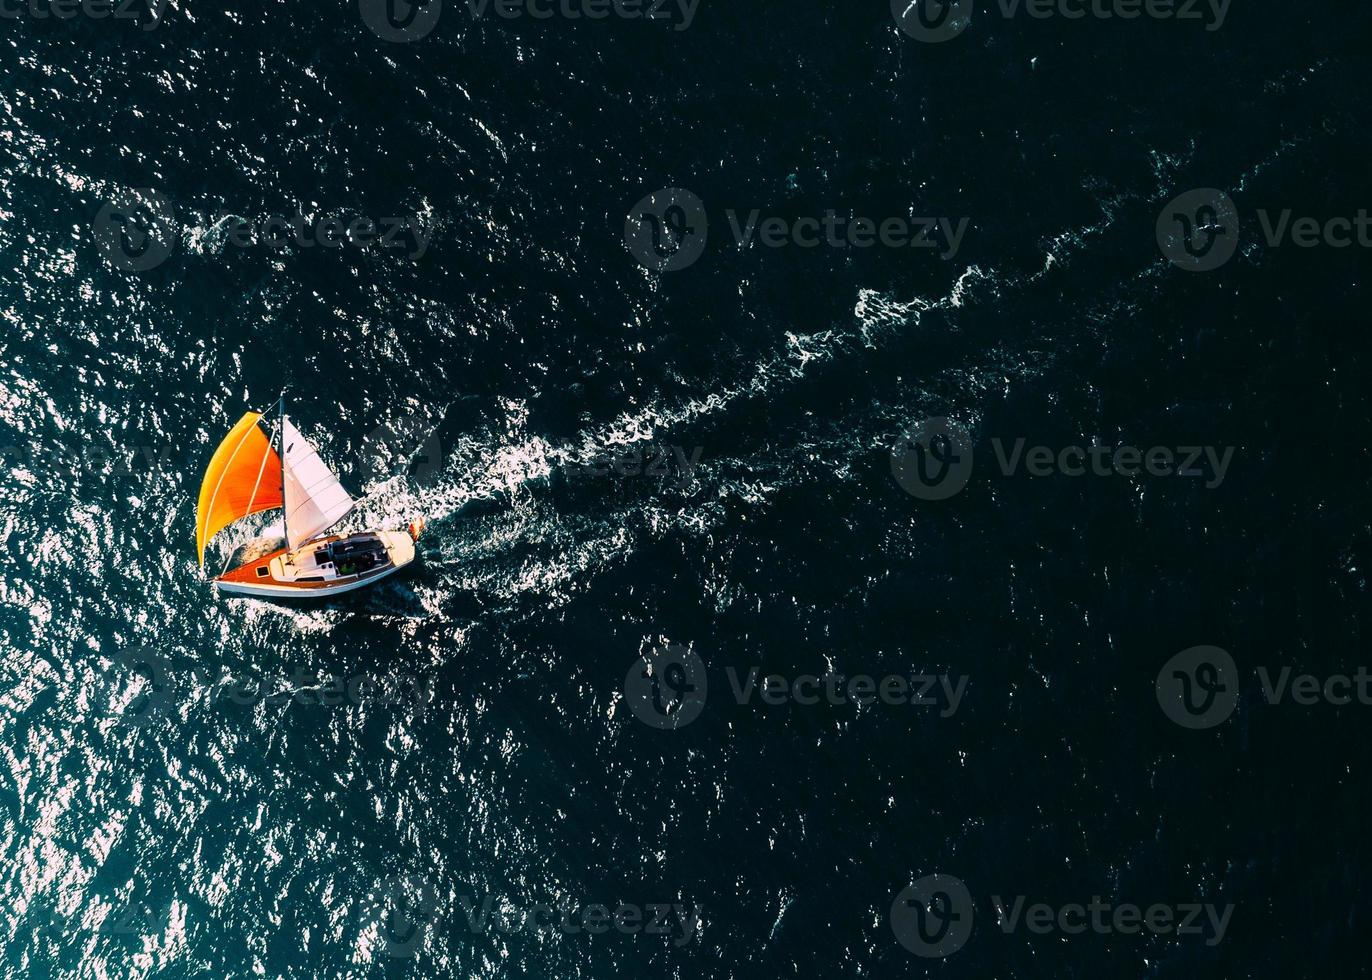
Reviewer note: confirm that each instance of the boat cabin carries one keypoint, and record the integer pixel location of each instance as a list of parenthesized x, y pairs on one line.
[(353, 555)]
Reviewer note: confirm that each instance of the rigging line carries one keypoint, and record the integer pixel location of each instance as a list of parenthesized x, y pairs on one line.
[(281, 429)]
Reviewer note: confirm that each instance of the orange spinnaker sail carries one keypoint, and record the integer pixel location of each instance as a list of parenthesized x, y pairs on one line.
[(244, 477)]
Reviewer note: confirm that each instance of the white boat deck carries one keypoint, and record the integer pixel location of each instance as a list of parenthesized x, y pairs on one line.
[(313, 570)]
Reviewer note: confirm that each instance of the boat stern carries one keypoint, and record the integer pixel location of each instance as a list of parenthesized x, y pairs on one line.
[(400, 546)]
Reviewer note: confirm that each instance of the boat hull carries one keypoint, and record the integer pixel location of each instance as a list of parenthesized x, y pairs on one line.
[(310, 572)]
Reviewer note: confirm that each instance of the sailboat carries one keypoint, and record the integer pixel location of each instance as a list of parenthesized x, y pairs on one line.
[(248, 476)]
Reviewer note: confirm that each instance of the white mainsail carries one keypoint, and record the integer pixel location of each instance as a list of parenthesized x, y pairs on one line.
[(315, 500)]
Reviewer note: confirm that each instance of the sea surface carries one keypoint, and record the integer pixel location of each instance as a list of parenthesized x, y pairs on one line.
[(615, 461)]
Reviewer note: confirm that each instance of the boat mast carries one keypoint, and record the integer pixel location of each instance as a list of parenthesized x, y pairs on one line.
[(281, 428)]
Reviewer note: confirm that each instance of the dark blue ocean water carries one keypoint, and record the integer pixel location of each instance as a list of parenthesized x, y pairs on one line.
[(177, 797)]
